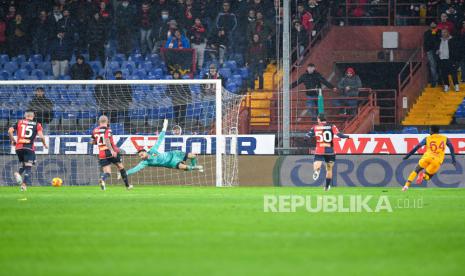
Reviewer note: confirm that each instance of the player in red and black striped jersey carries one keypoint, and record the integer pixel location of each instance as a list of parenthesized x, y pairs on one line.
[(108, 152), (324, 151), (26, 131)]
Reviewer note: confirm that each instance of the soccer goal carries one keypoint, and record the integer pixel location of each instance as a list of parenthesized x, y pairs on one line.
[(203, 119)]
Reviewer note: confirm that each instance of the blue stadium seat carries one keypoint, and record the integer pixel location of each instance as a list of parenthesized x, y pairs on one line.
[(28, 65), (20, 59), (11, 66), (154, 58), (120, 58), (21, 74), (4, 59), (138, 113), (16, 114), (96, 66), (4, 113), (147, 66), (225, 72), (136, 58), (45, 66), (410, 130), (140, 73), (232, 87), (36, 59), (5, 75), (39, 74), (237, 79), (231, 64), (244, 72), (113, 66), (129, 65)]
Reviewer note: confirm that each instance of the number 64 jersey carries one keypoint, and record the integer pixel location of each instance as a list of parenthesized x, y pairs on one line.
[(324, 134), (26, 132)]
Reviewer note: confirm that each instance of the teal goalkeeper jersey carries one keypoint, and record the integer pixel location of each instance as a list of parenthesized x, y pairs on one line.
[(156, 159)]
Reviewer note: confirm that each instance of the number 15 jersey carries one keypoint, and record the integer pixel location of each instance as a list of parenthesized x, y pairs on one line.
[(324, 134), (26, 132)]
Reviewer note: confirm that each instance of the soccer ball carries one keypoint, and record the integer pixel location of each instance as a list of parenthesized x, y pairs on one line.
[(56, 182)]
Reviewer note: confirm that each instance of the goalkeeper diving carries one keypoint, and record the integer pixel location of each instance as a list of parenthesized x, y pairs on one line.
[(175, 159)]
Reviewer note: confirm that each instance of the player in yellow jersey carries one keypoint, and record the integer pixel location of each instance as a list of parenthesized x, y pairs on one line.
[(432, 159)]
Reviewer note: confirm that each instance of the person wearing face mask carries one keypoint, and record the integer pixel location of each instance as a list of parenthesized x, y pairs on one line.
[(124, 23)]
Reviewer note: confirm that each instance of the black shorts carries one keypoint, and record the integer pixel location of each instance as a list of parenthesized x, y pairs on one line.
[(26, 155), (110, 160), (326, 158)]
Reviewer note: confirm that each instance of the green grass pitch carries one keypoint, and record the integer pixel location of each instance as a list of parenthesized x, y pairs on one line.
[(224, 231)]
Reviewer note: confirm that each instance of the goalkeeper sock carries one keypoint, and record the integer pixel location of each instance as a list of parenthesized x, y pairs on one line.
[(194, 162), (124, 176), (27, 175), (104, 176), (328, 182), (411, 177)]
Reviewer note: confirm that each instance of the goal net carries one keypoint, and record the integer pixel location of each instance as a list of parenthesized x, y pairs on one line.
[(203, 119)]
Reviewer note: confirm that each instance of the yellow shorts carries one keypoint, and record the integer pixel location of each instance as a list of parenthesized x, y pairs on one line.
[(430, 164)]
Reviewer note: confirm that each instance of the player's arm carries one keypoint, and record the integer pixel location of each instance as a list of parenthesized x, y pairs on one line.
[(40, 133), (107, 142), (417, 147), (452, 151), (311, 133), (137, 168), (342, 135), (160, 140), (11, 132)]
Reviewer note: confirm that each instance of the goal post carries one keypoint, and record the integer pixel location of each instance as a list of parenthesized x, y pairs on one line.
[(203, 118)]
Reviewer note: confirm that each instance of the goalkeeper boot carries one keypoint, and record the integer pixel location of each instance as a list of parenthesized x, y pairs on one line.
[(316, 174), (420, 178), (102, 185), (18, 178)]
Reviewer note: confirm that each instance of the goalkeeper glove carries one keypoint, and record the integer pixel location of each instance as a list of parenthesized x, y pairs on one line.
[(165, 124)]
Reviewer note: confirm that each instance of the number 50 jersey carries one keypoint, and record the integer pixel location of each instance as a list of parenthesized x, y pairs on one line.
[(324, 134), (26, 132)]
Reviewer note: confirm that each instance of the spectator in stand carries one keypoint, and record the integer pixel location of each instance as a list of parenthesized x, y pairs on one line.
[(97, 37), (55, 17), (67, 24), (17, 36), (177, 41), (305, 18), (256, 62), (42, 107), (261, 27), (212, 74), (430, 44), (146, 22), (81, 70), (161, 29), (124, 22), (105, 11), (449, 55), (11, 15), (180, 97), (189, 13), (312, 81), (453, 16), (218, 45), (314, 8), (257, 5), (227, 21), (61, 52), (83, 12), (299, 38), (41, 34), (2, 36), (350, 85), (446, 24), (197, 35)]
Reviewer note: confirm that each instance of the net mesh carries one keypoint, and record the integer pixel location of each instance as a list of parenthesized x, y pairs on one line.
[(69, 113)]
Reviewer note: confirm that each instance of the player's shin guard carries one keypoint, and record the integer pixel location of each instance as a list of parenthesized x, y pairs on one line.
[(104, 176), (27, 175), (410, 179), (124, 176)]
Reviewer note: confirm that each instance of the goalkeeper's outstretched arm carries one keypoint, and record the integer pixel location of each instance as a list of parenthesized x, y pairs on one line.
[(160, 140), (137, 168)]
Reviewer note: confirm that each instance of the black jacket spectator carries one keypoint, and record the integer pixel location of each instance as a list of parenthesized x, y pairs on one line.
[(431, 40), (61, 48), (226, 20), (81, 70), (42, 107), (41, 34), (67, 24), (97, 37), (312, 80)]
